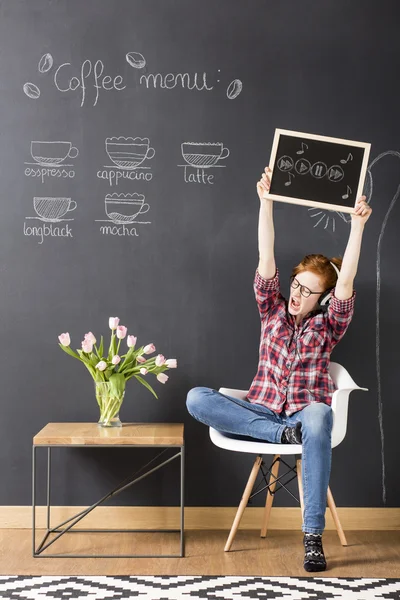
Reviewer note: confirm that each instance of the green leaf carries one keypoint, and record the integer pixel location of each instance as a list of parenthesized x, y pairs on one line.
[(69, 351), (117, 384), (101, 348), (147, 385)]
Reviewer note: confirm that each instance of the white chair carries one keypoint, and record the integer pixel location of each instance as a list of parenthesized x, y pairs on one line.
[(340, 402)]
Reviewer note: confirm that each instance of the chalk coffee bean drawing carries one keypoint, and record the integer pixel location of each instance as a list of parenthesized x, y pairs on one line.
[(31, 90), (45, 63), (234, 89), (136, 60), (199, 157)]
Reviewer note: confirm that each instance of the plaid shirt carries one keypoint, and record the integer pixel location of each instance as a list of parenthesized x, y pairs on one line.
[(294, 360)]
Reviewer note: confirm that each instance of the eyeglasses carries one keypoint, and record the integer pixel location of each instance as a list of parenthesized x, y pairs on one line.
[(304, 291)]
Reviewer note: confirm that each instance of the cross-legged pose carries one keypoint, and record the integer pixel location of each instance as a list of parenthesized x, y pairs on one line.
[(289, 399)]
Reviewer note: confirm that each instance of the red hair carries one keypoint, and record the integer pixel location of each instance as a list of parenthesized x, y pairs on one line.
[(320, 265)]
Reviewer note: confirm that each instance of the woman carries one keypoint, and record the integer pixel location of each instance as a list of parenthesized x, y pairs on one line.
[(290, 397)]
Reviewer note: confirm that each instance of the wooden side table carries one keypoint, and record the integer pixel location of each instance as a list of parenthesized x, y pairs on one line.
[(91, 435)]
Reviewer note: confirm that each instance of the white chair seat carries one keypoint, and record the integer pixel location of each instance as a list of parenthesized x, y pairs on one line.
[(236, 445)]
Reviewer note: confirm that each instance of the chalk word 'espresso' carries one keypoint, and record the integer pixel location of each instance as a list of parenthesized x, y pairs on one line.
[(113, 176), (65, 83), (42, 231), (44, 172), (121, 230)]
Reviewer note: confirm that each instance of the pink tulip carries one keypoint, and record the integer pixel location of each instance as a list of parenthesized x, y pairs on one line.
[(171, 363), (64, 339), (149, 349), (87, 346), (113, 322), (121, 332), (141, 359), (131, 341), (90, 337), (162, 378), (160, 360), (116, 359), (101, 366), (143, 371)]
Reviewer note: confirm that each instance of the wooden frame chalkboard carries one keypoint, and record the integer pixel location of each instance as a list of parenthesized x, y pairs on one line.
[(315, 170)]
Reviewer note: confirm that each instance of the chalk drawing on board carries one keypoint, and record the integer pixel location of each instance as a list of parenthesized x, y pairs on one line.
[(302, 166), (52, 210), (378, 299), (285, 163), (348, 193), (204, 154), (200, 158), (318, 170), (31, 90), (45, 63), (346, 160), (234, 89), (335, 173), (324, 219), (135, 60), (124, 209), (289, 181), (127, 152), (304, 147), (52, 154), (368, 191)]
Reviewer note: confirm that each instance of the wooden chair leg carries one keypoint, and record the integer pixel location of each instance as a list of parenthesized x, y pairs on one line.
[(270, 497), (300, 484), (335, 516), (243, 502)]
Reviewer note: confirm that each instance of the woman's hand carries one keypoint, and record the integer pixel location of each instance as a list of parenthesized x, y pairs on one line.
[(264, 184), (362, 211)]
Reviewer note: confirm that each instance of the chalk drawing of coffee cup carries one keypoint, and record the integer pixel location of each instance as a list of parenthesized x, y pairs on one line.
[(52, 154), (124, 208), (53, 209), (199, 154), (129, 153)]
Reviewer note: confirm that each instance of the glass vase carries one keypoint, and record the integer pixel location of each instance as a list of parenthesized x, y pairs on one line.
[(109, 403)]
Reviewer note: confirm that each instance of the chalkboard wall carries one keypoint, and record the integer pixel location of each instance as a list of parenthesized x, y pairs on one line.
[(166, 239)]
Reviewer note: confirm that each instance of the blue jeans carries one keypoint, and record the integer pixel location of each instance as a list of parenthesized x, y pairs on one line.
[(240, 417)]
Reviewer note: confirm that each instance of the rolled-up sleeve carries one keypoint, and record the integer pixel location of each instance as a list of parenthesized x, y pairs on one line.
[(340, 313), (267, 293)]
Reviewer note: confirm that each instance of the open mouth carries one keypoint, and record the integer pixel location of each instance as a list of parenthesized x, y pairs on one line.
[(294, 303)]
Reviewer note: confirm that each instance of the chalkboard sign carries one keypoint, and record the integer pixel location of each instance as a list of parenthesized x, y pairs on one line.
[(318, 171)]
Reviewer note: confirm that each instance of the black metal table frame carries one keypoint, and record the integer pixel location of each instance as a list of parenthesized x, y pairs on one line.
[(59, 530)]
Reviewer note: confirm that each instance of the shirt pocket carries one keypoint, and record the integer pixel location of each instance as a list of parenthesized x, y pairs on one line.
[(279, 331), (314, 338)]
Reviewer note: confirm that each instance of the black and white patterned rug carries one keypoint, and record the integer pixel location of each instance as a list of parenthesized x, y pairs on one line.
[(196, 587)]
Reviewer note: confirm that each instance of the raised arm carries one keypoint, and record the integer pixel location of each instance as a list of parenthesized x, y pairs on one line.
[(266, 233), (344, 285)]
